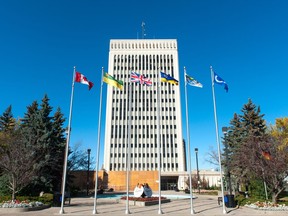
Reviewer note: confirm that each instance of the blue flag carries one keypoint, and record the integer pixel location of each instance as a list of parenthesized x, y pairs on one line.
[(167, 78), (220, 81)]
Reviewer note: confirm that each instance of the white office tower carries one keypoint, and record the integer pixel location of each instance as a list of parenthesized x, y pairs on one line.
[(148, 58)]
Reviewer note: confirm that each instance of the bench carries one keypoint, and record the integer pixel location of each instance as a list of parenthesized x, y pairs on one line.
[(67, 197), (219, 200)]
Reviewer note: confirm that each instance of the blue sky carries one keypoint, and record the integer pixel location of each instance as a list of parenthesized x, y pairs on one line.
[(244, 40)]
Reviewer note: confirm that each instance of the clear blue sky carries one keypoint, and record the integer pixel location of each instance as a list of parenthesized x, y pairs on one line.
[(244, 40)]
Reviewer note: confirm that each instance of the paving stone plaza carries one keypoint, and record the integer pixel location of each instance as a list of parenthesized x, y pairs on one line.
[(203, 205)]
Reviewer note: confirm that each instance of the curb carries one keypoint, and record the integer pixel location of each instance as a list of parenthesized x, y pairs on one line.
[(11, 210)]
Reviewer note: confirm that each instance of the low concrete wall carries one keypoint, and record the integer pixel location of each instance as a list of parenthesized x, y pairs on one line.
[(145, 203), (11, 210)]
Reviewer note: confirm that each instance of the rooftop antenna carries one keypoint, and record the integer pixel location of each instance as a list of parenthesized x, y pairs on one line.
[(143, 30)]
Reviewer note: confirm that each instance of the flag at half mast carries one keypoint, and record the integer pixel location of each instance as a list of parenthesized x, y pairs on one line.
[(192, 82), (167, 78), (112, 81)]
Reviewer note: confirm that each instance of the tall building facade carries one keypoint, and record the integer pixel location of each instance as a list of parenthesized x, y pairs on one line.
[(146, 57)]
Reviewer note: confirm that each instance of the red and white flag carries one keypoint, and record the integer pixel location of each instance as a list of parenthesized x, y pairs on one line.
[(82, 79)]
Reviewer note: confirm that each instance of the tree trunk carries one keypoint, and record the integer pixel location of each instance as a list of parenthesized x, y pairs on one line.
[(274, 197), (13, 188), (275, 194)]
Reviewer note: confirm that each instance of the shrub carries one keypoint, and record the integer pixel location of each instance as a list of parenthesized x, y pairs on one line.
[(46, 198), (210, 192), (4, 181), (242, 200), (5, 198)]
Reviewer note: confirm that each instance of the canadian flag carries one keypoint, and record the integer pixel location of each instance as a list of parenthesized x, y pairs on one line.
[(82, 79)]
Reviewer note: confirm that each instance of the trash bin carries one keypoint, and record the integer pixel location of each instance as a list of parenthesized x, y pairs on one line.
[(57, 197), (229, 201), (225, 200)]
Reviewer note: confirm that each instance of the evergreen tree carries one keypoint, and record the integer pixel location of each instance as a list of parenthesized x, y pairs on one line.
[(252, 121), (45, 124), (7, 122), (245, 135), (28, 126), (44, 142), (44, 135), (231, 141), (33, 132), (57, 150)]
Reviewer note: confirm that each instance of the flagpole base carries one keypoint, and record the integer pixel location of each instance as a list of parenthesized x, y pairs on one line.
[(160, 212), (61, 211), (127, 212), (95, 212), (192, 212)]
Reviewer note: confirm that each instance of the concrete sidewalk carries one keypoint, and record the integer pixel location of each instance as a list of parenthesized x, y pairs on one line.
[(203, 205)]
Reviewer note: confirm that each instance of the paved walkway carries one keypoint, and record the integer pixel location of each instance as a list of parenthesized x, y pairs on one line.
[(203, 205)]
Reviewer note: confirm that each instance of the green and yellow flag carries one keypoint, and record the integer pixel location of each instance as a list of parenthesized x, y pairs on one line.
[(112, 81)]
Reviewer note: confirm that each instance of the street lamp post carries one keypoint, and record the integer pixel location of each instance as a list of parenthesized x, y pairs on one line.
[(88, 170), (198, 177)]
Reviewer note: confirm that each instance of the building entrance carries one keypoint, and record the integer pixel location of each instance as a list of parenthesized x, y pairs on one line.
[(169, 182)]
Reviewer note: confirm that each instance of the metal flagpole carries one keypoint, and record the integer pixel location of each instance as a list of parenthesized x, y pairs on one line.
[(189, 151), (67, 145), (217, 139), (158, 143), (98, 145), (128, 151), (265, 186)]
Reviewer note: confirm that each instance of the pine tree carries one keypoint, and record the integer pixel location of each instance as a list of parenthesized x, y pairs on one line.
[(44, 142), (57, 150), (246, 133), (45, 123), (7, 122), (28, 126), (252, 121), (232, 139), (44, 135)]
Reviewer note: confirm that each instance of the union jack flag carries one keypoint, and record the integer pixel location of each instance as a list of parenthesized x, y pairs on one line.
[(138, 78)]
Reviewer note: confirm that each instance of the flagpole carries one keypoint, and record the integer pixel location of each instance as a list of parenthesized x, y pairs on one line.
[(265, 186), (217, 140), (98, 146), (67, 146), (189, 151), (128, 152), (158, 143)]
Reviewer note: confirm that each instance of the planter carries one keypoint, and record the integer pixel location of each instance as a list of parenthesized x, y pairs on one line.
[(11, 210), (144, 203)]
